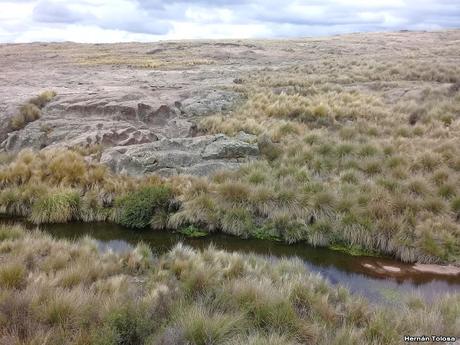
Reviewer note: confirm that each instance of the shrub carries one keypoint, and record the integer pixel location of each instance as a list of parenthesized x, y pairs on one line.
[(136, 209)]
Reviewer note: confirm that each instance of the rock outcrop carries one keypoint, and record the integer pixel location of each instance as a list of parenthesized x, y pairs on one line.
[(196, 156), (144, 118)]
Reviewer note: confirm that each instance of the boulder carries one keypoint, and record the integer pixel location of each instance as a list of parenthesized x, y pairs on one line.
[(201, 156), (223, 147)]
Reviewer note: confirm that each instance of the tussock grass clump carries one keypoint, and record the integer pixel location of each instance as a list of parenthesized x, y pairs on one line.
[(8, 232), (57, 207), (12, 276), (60, 186), (202, 326), (43, 99), (367, 205), (455, 205), (124, 325), (31, 110), (188, 297)]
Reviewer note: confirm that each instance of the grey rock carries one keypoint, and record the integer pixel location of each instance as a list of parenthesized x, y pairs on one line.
[(70, 132), (210, 167), (196, 156), (145, 119), (156, 117), (206, 102), (226, 148), (249, 138)]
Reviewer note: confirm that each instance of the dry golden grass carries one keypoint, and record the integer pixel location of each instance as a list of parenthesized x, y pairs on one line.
[(31, 110), (61, 186), (379, 133), (359, 147), (141, 62), (61, 292)]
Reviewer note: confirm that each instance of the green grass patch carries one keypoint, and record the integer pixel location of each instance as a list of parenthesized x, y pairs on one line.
[(10, 232), (353, 250), (265, 233), (136, 209), (192, 231)]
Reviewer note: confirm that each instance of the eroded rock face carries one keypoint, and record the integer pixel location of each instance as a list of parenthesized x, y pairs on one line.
[(144, 118), (137, 137), (196, 156), (70, 132), (84, 120)]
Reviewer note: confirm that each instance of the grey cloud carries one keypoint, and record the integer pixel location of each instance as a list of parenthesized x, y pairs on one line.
[(287, 18), (54, 12), (47, 11), (154, 27), (161, 4), (333, 12)]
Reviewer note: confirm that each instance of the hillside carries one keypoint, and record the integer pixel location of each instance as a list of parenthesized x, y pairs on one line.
[(348, 141)]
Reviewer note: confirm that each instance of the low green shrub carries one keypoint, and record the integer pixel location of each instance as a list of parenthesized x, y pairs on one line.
[(136, 209)]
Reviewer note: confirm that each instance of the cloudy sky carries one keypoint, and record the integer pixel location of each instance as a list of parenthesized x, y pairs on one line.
[(148, 20)]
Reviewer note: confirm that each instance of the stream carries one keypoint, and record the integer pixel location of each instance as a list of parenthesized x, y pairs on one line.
[(381, 280)]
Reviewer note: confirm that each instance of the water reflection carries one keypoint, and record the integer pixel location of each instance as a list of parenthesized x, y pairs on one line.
[(336, 267)]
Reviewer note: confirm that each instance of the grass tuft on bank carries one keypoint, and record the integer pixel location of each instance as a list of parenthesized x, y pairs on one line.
[(31, 110), (56, 291)]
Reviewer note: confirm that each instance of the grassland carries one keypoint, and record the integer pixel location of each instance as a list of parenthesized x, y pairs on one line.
[(343, 166), (61, 292), (360, 150)]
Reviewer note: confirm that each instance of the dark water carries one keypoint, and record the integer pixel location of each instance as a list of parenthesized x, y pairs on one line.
[(337, 267)]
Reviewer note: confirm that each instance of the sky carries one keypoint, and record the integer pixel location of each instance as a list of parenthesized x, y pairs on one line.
[(152, 20)]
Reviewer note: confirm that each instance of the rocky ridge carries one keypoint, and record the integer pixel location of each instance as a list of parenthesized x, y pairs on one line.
[(144, 120)]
